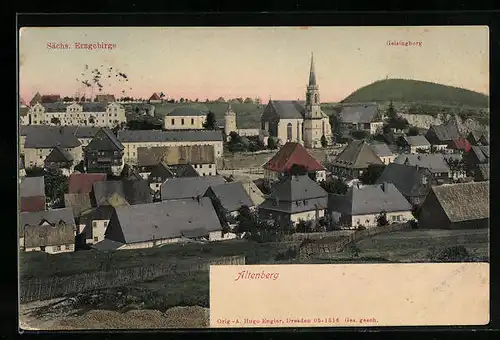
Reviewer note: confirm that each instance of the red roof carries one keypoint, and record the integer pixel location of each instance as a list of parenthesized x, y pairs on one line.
[(293, 153), (82, 183), (155, 96), (460, 144), (32, 204)]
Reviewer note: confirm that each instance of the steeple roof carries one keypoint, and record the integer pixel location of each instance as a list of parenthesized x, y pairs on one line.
[(312, 74)]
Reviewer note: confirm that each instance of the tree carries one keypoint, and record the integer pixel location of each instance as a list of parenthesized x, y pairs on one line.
[(35, 171), (271, 143), (80, 167), (360, 134), (91, 120), (247, 221), (248, 100), (257, 101), (391, 112), (221, 100), (210, 123), (334, 186), (297, 170), (304, 226), (136, 109), (324, 142), (371, 174), (413, 131), (56, 185), (196, 100), (55, 121), (382, 219), (234, 137), (181, 100), (67, 99)]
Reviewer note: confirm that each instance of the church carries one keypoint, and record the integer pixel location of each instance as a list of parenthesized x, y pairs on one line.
[(298, 121)]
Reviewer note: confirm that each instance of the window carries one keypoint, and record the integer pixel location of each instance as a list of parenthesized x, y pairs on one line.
[(182, 121), (393, 218), (399, 217), (96, 239), (173, 121), (67, 247), (210, 166), (204, 174), (94, 224), (192, 121), (417, 200), (289, 131), (57, 248), (106, 224), (40, 157)]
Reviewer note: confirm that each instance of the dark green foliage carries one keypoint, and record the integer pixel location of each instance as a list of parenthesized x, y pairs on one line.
[(143, 124), (413, 131), (407, 90), (210, 123), (79, 167), (450, 254), (56, 185), (55, 121), (334, 186), (324, 142), (359, 134), (271, 143), (371, 174), (382, 219)]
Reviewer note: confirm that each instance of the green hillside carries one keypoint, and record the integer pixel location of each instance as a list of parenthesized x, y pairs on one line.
[(405, 90)]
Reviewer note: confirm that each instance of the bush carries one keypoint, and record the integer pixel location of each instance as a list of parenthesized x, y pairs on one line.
[(450, 254)]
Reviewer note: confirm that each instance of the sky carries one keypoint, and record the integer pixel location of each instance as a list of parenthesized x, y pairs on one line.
[(266, 62)]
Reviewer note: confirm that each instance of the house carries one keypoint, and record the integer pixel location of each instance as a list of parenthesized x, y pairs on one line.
[(167, 222), (188, 187), (92, 224), (482, 173), (415, 144), (364, 117), (436, 163), (50, 231), (105, 98), (457, 167), (253, 191), (185, 118), (354, 159), (59, 159), (293, 199), (32, 194), (22, 170), (413, 182), (39, 144), (155, 98), (477, 155), (37, 98), (159, 174), (383, 152), (201, 157), (298, 121), (441, 135), (132, 191), (456, 206), (459, 145), (478, 138), (79, 191), (134, 139), (104, 154), (183, 170), (77, 114), (362, 206), (291, 154), (227, 199)]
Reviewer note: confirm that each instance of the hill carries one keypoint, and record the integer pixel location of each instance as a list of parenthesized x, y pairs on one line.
[(406, 90)]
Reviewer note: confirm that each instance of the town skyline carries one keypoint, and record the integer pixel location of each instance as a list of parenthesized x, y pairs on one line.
[(271, 63)]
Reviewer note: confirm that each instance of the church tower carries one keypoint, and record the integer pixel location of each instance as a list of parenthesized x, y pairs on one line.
[(229, 121), (313, 117)]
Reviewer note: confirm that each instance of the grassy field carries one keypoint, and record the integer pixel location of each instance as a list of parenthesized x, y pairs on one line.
[(38, 264)]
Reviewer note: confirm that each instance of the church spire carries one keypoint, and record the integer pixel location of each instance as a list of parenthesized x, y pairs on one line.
[(312, 74)]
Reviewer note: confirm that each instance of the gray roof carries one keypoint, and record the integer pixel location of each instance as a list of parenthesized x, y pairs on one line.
[(51, 216), (298, 206), (482, 153), (416, 141), (374, 199), (359, 114), (381, 149), (288, 109), (51, 138), (357, 155), (55, 107), (105, 141), (78, 131), (107, 244), (188, 187), (59, 154), (183, 170), (232, 195), (435, 162), (446, 132), (32, 187), (464, 201), (406, 178), (484, 171), (133, 191), (186, 111), (165, 136), (162, 220), (295, 188)]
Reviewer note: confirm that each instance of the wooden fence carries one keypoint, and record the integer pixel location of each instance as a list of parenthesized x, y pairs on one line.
[(53, 287)]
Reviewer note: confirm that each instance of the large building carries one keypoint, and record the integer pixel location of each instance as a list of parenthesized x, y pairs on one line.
[(134, 139), (104, 154), (296, 121), (185, 118), (79, 114)]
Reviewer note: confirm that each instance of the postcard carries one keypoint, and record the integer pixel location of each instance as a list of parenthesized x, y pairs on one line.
[(251, 177)]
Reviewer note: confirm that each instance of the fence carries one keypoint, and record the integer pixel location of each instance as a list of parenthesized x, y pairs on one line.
[(317, 236), (339, 245), (49, 288)]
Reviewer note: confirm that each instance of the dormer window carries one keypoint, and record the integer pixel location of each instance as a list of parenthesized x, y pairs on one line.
[(424, 180)]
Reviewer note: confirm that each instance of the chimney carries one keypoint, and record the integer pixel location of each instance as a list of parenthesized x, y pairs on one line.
[(383, 186)]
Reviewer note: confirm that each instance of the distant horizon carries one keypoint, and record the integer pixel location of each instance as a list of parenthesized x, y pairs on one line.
[(256, 62)]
